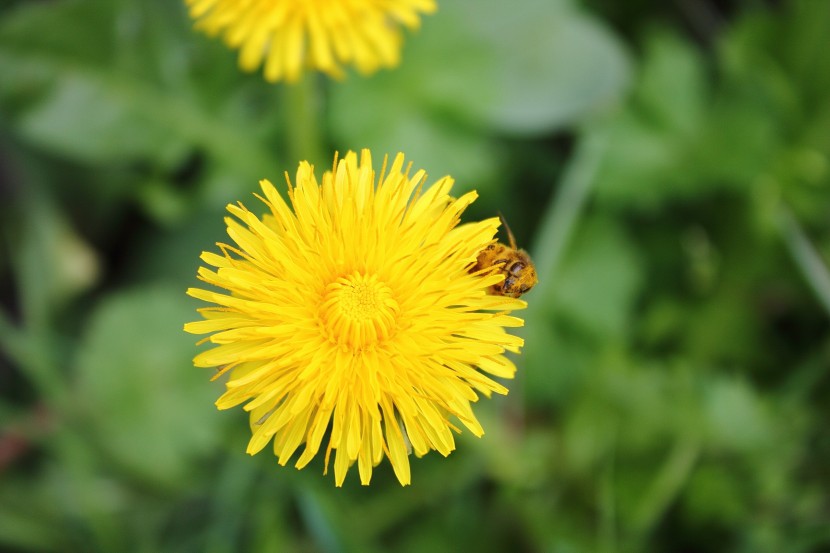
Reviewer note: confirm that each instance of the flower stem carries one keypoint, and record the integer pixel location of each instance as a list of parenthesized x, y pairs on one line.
[(806, 257), (567, 206), (30, 352), (303, 108), (558, 224), (667, 483)]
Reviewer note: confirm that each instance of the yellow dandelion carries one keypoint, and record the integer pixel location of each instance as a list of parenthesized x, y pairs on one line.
[(287, 35), (355, 314)]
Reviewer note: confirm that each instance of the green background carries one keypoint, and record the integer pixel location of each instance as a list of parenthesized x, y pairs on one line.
[(667, 164)]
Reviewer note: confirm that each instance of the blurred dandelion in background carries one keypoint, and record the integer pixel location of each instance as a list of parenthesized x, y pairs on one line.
[(355, 309), (287, 36)]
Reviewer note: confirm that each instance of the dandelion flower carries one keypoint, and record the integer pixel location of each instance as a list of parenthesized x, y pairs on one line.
[(353, 317), (287, 35)]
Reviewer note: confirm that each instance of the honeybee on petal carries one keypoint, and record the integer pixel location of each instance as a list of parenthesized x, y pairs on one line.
[(514, 263)]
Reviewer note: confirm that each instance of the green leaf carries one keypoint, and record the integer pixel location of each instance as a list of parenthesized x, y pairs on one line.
[(23, 523), (554, 367), (53, 262), (651, 139), (714, 494), (434, 145), (599, 280), (519, 69), (126, 88), (150, 409), (477, 68), (672, 91), (84, 120), (736, 418)]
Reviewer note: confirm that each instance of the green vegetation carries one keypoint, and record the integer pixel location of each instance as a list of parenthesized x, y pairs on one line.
[(667, 164)]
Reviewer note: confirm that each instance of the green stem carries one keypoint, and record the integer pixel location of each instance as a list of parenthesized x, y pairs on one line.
[(607, 527), (11, 340), (667, 483), (31, 353), (567, 206), (806, 257), (30, 345), (303, 107), (559, 221), (558, 224)]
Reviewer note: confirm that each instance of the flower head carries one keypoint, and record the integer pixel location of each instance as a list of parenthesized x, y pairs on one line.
[(286, 35), (355, 312)]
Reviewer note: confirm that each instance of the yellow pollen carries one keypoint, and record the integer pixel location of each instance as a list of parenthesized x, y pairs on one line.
[(358, 311)]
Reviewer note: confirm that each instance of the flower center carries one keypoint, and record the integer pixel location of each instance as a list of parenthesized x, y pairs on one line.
[(358, 311)]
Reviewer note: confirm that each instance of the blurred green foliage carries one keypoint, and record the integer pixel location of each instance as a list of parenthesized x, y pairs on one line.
[(667, 163)]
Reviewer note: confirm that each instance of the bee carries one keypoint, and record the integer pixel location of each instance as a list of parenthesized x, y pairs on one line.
[(515, 264)]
